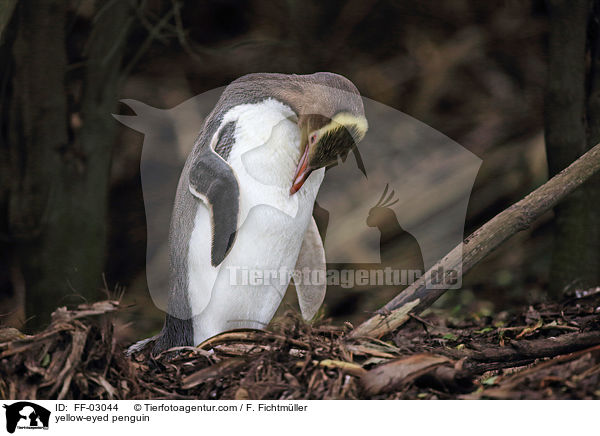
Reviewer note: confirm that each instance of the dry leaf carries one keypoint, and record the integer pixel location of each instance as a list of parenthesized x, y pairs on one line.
[(389, 376)]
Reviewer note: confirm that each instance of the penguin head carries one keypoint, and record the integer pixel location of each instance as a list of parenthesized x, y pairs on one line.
[(331, 121)]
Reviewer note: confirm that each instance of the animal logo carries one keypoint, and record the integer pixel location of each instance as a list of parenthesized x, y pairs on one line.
[(397, 247), (26, 415), (429, 174)]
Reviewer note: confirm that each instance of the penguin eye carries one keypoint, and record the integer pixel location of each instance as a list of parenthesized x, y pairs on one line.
[(313, 138)]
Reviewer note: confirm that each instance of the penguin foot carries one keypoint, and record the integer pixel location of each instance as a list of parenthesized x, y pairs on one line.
[(141, 346)]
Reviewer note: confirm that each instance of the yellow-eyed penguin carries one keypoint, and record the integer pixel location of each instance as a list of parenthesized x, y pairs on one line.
[(245, 198)]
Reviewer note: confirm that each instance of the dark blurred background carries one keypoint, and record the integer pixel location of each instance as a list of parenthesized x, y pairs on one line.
[(71, 210)]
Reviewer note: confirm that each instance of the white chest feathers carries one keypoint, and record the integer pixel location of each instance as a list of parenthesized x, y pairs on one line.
[(245, 290)]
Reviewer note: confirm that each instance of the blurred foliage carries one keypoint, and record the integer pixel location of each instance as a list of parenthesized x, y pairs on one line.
[(472, 70)]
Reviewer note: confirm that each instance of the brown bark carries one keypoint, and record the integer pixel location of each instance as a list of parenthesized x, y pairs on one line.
[(565, 133), (7, 8), (592, 187), (36, 117), (58, 152)]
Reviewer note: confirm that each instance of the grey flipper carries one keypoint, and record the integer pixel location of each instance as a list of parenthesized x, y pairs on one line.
[(312, 256), (212, 180)]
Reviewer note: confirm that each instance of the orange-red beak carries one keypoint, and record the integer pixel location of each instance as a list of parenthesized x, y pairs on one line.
[(302, 172)]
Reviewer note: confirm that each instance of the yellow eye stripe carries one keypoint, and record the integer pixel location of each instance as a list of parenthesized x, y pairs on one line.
[(357, 126)]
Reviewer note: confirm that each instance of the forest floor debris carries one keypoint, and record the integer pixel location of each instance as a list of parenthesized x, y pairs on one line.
[(547, 351)]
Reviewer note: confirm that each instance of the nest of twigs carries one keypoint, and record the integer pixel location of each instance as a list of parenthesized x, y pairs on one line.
[(75, 357), (547, 351)]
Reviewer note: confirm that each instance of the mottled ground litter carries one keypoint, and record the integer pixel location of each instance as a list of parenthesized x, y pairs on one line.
[(547, 351)]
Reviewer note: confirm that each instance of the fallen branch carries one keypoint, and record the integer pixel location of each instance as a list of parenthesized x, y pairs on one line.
[(508, 388), (522, 352), (455, 370), (483, 241)]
